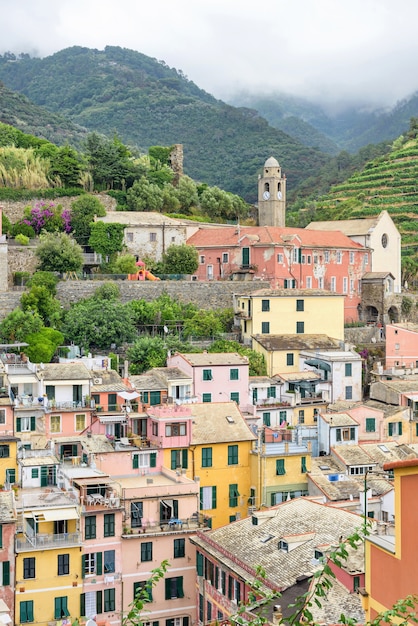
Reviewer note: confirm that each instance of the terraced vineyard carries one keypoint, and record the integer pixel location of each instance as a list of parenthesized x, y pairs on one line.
[(389, 182)]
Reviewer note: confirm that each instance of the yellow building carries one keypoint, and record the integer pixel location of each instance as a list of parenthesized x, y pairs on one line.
[(290, 311), (281, 352), (48, 559), (278, 468), (220, 447), (8, 460)]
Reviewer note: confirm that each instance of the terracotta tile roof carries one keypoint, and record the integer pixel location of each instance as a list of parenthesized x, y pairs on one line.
[(258, 545), (218, 422), (215, 358), (290, 293), (65, 371), (339, 419), (270, 235), (296, 342), (360, 226)]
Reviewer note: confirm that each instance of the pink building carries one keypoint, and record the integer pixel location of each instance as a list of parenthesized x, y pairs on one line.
[(7, 556), (371, 423), (286, 257), (160, 516), (101, 558), (217, 377), (401, 346)]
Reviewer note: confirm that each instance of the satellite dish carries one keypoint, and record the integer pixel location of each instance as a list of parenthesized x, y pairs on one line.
[(91, 622)]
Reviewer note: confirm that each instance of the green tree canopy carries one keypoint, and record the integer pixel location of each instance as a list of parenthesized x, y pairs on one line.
[(205, 323), (43, 344), (257, 363), (83, 212), (109, 160), (146, 353), (186, 193), (125, 264), (58, 252), (18, 324), (182, 259), (144, 196), (97, 323), (39, 300), (49, 280)]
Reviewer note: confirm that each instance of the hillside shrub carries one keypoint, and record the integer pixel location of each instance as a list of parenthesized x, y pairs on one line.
[(22, 239)]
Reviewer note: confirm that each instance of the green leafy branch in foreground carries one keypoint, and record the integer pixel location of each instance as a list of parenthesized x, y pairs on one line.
[(142, 596), (403, 612)]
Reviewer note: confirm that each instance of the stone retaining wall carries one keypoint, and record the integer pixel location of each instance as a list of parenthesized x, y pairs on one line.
[(14, 209), (206, 295)]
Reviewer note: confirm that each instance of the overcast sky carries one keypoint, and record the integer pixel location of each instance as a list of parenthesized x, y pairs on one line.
[(335, 50)]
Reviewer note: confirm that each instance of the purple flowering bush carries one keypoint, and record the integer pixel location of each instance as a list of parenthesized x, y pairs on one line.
[(48, 217)]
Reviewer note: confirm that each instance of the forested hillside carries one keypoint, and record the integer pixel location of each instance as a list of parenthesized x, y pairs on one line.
[(147, 103), (19, 111), (388, 182)]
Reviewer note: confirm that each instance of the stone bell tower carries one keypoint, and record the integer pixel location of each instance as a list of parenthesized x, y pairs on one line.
[(272, 195)]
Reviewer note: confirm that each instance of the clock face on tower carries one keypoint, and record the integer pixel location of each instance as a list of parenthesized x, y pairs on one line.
[(266, 195), (279, 195)]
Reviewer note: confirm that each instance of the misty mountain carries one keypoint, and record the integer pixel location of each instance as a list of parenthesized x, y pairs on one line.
[(348, 128), (148, 103)]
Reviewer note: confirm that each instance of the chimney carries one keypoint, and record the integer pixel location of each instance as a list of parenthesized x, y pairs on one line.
[(277, 614)]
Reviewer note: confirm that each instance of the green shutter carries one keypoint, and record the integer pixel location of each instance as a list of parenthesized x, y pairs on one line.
[(180, 592), (214, 497), (83, 605), (32, 423), (352, 434), (184, 459), (399, 428), (44, 476), (280, 469), (199, 563), (303, 465), (83, 567), (18, 425), (99, 563), (173, 459), (201, 498), (6, 573), (230, 586), (168, 588), (57, 608), (99, 602), (135, 461), (390, 426), (153, 459)]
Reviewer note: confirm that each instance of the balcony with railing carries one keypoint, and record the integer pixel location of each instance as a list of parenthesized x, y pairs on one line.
[(45, 541), (92, 258)]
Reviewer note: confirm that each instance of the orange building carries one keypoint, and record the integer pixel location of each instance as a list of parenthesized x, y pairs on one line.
[(391, 560)]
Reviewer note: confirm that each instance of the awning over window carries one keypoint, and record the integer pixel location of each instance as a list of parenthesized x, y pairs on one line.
[(306, 385), (54, 515), (319, 364), (112, 419)]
